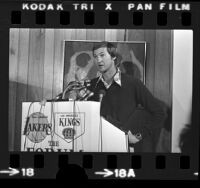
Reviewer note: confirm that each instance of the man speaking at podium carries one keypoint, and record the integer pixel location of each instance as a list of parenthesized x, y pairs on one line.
[(125, 101)]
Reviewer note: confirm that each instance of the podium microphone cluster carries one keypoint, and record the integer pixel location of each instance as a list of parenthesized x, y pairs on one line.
[(102, 93)]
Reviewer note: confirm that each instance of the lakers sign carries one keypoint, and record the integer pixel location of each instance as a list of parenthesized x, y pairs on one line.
[(37, 127)]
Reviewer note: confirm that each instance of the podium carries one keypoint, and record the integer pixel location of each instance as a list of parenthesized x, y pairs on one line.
[(72, 126)]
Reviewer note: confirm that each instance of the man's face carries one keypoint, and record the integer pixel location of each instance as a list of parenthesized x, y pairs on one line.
[(103, 60)]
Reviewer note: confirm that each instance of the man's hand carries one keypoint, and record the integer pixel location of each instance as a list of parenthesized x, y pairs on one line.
[(132, 138)]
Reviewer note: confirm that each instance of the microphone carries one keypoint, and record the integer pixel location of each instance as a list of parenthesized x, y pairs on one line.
[(101, 94), (73, 90), (85, 98), (85, 83), (58, 97), (72, 95)]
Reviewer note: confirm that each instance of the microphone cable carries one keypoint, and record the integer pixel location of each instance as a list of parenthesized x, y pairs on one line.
[(82, 132), (26, 125), (36, 135), (101, 95)]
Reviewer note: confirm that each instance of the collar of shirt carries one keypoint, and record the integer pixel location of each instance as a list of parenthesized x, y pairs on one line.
[(116, 79)]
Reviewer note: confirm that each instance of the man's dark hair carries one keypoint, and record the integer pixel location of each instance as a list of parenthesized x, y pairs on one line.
[(111, 48)]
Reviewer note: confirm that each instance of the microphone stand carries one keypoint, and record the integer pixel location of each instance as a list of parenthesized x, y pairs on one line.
[(73, 118), (100, 133), (100, 126), (127, 142), (74, 115)]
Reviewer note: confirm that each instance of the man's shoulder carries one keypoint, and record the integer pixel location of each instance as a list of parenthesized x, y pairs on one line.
[(129, 79)]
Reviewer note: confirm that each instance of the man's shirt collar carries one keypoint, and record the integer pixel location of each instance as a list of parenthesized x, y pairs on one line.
[(116, 79)]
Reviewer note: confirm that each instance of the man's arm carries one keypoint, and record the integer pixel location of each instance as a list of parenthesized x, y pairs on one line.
[(144, 120)]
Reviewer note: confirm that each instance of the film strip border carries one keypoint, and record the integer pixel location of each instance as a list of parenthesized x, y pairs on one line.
[(144, 166), (112, 18), (105, 166), (102, 14)]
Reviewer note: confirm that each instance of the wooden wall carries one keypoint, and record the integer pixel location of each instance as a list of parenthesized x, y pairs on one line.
[(36, 65)]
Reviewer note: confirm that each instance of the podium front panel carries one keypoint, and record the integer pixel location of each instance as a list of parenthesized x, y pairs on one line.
[(68, 126)]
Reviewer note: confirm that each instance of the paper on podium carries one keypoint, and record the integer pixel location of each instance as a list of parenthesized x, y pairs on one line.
[(113, 139)]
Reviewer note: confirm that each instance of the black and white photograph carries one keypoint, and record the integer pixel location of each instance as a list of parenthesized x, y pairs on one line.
[(100, 90)]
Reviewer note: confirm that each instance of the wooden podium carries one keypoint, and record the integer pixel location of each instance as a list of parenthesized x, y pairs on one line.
[(68, 126)]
